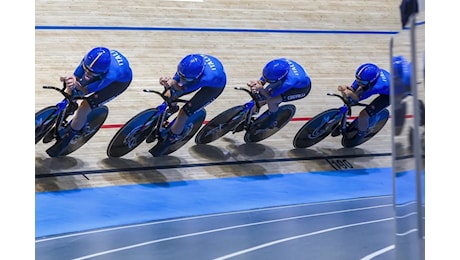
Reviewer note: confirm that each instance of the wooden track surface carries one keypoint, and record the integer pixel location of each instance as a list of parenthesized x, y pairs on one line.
[(329, 58)]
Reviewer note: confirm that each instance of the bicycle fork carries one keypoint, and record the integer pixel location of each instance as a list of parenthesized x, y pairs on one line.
[(343, 122), (162, 123), (247, 112), (61, 122)]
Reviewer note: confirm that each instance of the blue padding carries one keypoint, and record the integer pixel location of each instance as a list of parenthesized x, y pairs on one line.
[(85, 209)]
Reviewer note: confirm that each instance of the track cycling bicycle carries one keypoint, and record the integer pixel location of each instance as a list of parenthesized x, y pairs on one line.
[(152, 125), (243, 118), (335, 122), (51, 123)]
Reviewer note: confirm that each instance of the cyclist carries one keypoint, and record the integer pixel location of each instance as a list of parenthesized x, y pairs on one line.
[(402, 84), (101, 76), (402, 72), (402, 76), (195, 72), (287, 81), (370, 80)]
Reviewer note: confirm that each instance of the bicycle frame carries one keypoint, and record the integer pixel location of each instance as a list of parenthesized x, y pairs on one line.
[(160, 128), (243, 118), (249, 107), (61, 106), (334, 121), (60, 114), (344, 111)]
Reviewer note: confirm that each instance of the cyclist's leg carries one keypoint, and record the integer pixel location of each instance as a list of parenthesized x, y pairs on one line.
[(94, 100), (79, 120), (400, 108), (269, 119), (204, 97), (273, 102), (262, 101), (377, 105), (290, 95)]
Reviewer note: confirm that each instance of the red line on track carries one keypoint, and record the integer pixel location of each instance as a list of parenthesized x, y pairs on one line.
[(296, 119)]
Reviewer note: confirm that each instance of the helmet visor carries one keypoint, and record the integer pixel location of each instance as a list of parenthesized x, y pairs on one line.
[(184, 78), (271, 80), (365, 84), (89, 71)]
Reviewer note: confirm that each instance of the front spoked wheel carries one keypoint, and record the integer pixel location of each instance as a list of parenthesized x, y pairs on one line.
[(255, 134), (220, 125), (376, 123), (44, 122), (317, 128), (95, 121), (194, 123), (133, 133)]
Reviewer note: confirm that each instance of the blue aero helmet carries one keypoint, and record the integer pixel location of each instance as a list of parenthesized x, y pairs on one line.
[(97, 60), (191, 67), (367, 74), (275, 70)]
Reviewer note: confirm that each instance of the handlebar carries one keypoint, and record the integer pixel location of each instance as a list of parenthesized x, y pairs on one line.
[(252, 94), (68, 96), (346, 101), (245, 89), (165, 98)]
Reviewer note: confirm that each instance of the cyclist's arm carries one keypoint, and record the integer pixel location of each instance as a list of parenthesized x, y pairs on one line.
[(257, 86), (171, 85), (72, 81), (73, 85), (348, 92)]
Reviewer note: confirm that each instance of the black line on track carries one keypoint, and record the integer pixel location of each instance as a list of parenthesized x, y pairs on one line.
[(192, 165)]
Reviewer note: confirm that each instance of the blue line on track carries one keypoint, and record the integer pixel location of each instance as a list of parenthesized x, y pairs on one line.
[(128, 28)]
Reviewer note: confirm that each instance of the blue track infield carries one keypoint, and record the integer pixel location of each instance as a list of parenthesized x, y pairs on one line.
[(86, 209)]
